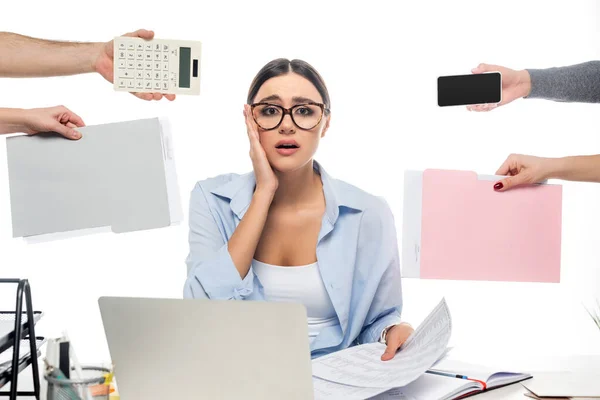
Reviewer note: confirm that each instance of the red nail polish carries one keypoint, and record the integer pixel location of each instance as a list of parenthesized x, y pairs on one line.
[(498, 186)]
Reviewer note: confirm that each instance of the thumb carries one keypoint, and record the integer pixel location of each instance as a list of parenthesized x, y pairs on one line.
[(510, 182), (141, 33), (390, 352), (481, 68), (66, 131)]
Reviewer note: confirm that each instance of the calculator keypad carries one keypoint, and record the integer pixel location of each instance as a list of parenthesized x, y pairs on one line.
[(143, 66)]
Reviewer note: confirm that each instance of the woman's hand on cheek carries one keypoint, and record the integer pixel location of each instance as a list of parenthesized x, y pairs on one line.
[(396, 336), (265, 177)]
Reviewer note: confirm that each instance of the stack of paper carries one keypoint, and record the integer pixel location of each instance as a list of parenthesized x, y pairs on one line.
[(24, 352), (359, 373)]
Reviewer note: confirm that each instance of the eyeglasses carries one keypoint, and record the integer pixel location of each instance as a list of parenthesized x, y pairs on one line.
[(304, 116)]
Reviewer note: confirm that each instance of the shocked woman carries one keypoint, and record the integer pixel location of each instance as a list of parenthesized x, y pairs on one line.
[(288, 231)]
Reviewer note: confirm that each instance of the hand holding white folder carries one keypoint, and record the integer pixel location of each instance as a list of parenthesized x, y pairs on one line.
[(119, 177)]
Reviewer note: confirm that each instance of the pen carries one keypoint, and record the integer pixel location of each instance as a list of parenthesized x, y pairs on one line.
[(56, 373), (448, 374), (482, 383)]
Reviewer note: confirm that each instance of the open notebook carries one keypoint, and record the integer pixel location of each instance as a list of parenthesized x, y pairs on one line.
[(470, 378), (429, 386)]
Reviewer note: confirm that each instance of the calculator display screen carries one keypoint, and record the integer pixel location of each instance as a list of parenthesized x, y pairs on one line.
[(185, 61)]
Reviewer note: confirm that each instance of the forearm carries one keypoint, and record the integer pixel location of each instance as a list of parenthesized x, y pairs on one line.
[(576, 168), (11, 120), (574, 83), (23, 56), (246, 236)]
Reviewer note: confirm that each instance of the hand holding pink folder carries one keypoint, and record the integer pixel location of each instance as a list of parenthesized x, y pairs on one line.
[(471, 232)]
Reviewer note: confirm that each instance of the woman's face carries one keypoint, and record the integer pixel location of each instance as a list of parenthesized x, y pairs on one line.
[(289, 147)]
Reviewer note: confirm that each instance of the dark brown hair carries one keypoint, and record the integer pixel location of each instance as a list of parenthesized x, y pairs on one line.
[(282, 66)]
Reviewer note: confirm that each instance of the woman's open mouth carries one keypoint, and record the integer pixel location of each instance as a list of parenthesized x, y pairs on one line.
[(287, 147)]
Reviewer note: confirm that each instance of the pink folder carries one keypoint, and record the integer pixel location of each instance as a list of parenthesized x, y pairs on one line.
[(471, 232)]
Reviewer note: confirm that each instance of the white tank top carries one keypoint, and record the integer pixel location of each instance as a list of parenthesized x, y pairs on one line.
[(301, 284)]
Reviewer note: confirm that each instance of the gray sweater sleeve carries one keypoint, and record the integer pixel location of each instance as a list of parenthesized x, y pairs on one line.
[(575, 83)]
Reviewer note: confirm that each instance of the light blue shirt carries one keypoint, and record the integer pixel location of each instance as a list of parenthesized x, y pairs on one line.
[(357, 254)]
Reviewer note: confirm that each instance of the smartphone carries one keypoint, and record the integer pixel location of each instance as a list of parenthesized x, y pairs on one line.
[(461, 90)]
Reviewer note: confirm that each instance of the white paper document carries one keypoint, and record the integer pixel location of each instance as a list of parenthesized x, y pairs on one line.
[(426, 387), (326, 390), (362, 366)]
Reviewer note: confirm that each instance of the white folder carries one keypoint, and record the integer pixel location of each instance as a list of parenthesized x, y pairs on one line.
[(118, 177)]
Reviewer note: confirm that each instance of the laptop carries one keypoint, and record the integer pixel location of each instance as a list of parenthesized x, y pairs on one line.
[(208, 349)]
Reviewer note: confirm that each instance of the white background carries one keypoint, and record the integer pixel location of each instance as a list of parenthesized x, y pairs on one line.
[(380, 61)]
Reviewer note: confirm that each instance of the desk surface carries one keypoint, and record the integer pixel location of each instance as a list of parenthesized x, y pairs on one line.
[(585, 363)]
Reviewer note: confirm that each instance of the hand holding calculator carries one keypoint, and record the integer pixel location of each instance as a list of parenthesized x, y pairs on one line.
[(156, 66)]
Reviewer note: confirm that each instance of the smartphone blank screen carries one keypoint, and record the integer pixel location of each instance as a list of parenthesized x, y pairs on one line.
[(469, 89)]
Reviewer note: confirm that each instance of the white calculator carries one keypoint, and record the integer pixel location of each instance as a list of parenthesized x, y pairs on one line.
[(157, 66)]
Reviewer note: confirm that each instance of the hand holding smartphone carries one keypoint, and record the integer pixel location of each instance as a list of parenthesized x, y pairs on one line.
[(461, 90)]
